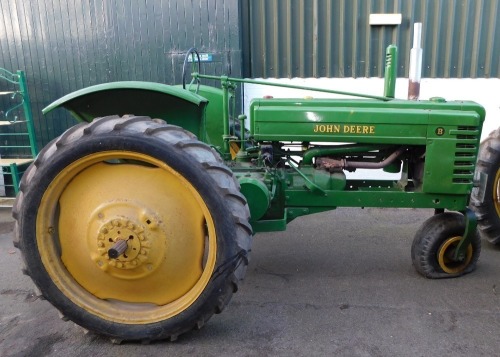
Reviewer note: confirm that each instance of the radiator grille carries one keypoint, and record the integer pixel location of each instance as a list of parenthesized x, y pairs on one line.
[(465, 153)]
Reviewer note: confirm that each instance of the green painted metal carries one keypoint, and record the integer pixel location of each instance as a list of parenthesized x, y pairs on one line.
[(19, 112), (18, 145), (308, 183), (300, 202), (227, 87), (270, 225), (213, 113), (257, 194), (451, 158), (368, 122), (317, 181), (15, 178), (470, 232), (177, 106), (126, 85), (383, 197), (23, 88)]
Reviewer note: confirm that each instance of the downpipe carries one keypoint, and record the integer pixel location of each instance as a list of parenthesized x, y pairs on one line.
[(345, 164)]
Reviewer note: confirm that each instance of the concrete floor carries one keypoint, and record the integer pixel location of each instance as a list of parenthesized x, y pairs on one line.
[(339, 283)]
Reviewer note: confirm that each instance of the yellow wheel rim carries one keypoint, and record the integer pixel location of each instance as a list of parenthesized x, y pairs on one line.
[(496, 192), (170, 237), (445, 254)]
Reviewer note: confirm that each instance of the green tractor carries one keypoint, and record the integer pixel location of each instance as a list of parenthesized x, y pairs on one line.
[(137, 223)]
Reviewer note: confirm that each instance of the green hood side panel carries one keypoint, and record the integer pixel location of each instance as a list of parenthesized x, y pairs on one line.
[(175, 105), (214, 114)]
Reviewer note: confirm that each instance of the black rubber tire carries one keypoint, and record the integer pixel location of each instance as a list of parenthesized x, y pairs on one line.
[(196, 162), (429, 239), (482, 198)]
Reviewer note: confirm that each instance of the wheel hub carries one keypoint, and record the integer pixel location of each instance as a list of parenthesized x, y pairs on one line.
[(126, 222), (124, 230)]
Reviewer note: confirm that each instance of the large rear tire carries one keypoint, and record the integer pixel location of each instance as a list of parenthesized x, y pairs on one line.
[(153, 196), (485, 201)]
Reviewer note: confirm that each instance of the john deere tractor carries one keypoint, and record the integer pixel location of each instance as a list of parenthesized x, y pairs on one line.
[(137, 223)]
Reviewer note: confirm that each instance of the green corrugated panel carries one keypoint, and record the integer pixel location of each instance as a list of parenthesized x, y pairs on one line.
[(67, 45), (333, 38)]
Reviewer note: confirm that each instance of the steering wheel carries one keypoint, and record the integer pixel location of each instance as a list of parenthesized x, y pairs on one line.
[(190, 52)]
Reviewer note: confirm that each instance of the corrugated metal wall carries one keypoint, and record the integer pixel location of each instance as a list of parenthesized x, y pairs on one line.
[(67, 45), (333, 38)]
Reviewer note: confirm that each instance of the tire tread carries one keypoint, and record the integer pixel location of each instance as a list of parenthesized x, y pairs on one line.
[(488, 163)]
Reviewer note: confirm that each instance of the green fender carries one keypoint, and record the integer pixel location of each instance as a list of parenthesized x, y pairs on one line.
[(171, 103), (214, 114)]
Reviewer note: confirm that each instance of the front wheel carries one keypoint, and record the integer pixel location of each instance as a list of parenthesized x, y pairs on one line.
[(434, 245), (132, 228)]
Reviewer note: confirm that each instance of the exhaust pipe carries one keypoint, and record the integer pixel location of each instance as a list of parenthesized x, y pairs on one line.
[(415, 74)]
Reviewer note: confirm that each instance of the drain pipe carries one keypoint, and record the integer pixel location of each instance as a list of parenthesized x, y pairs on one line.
[(415, 74)]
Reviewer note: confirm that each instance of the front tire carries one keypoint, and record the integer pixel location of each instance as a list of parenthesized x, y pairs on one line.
[(434, 245), (153, 186)]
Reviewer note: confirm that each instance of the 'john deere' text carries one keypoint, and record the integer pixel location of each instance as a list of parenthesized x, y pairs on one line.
[(344, 129)]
